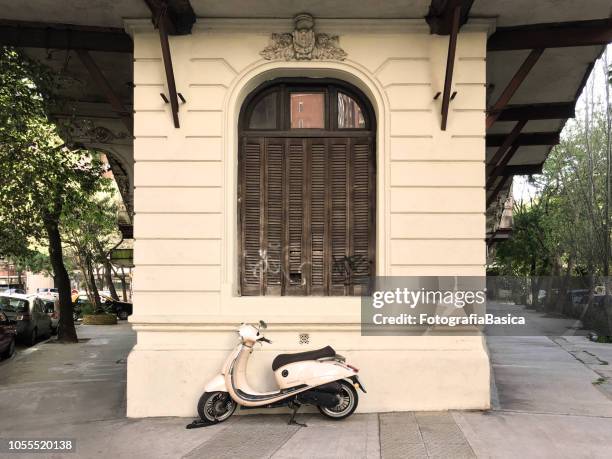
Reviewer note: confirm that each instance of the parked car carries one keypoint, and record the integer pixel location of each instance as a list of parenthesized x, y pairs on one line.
[(32, 320), (48, 292), (8, 307), (51, 307), (122, 309), (8, 335)]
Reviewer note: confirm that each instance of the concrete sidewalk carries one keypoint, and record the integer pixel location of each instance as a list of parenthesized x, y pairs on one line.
[(553, 400), (549, 404)]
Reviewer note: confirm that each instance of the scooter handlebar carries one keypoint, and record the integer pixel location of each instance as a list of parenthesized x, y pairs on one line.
[(265, 340)]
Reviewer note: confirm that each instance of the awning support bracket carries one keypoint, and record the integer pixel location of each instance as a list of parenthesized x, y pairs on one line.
[(450, 64), (167, 58)]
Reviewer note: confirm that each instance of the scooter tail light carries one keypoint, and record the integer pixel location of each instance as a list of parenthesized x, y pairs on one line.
[(355, 369)]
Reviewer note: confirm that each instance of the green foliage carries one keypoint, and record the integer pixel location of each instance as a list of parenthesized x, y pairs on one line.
[(566, 224), (44, 182), (40, 177), (87, 309), (92, 226)]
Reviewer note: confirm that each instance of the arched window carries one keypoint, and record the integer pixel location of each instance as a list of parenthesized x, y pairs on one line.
[(307, 189)]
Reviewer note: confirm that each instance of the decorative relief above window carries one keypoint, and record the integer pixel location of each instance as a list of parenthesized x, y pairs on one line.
[(303, 44)]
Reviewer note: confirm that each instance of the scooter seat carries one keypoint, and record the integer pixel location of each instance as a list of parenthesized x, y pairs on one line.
[(284, 359)]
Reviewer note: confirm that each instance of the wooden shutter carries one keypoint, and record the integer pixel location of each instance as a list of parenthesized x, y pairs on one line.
[(307, 216), (319, 217), (340, 223), (251, 216), (362, 225), (296, 227), (274, 217)]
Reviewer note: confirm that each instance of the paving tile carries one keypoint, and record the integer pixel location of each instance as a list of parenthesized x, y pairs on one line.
[(400, 436), (442, 433), (401, 416), (403, 451), (434, 417), (251, 437), (400, 426), (353, 438), (450, 450)]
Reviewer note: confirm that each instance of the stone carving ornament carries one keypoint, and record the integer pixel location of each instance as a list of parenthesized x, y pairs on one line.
[(303, 44)]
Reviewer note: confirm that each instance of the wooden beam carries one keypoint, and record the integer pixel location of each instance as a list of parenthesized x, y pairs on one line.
[(586, 76), (508, 141), (532, 138), (494, 169), (450, 64), (23, 34), (178, 15), (547, 111), (522, 169), (556, 35), (441, 15), (103, 84), (167, 57), (513, 86)]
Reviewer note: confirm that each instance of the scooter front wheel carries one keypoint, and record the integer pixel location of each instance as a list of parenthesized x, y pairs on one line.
[(216, 406), (348, 403)]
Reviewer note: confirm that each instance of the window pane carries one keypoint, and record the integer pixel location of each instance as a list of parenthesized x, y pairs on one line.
[(307, 111), (350, 115), (264, 113)]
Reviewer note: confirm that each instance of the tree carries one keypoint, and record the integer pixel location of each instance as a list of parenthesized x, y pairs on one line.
[(41, 178), (91, 232), (564, 229)]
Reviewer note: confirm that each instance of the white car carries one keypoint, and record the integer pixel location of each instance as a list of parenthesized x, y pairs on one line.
[(47, 291)]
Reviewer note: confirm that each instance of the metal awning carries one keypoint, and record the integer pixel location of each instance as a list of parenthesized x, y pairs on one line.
[(537, 62)]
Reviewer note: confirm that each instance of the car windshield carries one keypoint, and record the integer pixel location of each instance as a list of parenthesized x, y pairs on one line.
[(49, 306), (12, 304)]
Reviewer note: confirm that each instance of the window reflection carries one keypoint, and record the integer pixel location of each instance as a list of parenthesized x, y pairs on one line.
[(350, 115), (264, 113), (307, 111)]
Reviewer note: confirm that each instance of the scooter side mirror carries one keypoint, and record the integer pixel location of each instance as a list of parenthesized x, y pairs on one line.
[(263, 325)]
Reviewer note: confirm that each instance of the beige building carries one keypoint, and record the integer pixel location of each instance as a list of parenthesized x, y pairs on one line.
[(243, 209)]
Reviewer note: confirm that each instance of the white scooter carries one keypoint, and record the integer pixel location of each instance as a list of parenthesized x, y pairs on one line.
[(320, 378)]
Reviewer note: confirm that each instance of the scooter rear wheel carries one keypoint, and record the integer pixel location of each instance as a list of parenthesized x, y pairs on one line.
[(348, 403), (216, 407)]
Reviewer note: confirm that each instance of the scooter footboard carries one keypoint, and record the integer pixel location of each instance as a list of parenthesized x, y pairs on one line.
[(217, 384)]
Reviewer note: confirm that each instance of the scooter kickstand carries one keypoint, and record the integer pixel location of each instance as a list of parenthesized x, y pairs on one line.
[(292, 420)]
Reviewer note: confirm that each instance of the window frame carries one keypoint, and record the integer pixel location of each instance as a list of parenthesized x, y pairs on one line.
[(285, 86)]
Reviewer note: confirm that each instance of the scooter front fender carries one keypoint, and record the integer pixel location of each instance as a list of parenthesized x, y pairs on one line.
[(217, 384)]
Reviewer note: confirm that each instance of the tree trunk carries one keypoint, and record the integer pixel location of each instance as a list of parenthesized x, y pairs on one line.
[(534, 284), (66, 331), (123, 284), (108, 273), (99, 278), (553, 284), (564, 304), (94, 288)]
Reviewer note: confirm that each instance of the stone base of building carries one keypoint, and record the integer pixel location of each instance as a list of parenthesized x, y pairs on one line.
[(166, 378)]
